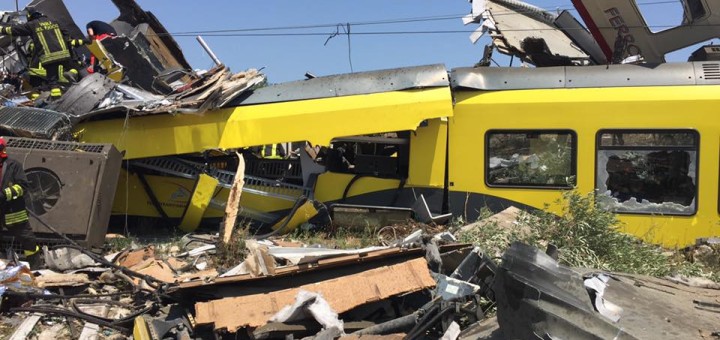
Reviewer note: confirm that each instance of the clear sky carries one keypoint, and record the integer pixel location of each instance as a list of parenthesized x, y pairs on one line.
[(286, 55)]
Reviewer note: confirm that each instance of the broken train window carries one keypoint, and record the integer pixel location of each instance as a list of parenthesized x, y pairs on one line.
[(647, 171), (533, 158), (383, 155), (665, 15)]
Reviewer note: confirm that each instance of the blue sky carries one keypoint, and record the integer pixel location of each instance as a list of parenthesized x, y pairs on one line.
[(288, 57)]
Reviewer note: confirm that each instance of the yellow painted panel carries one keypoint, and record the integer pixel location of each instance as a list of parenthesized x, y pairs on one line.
[(140, 329), (427, 154), (330, 186), (174, 193), (586, 111), (202, 194), (320, 120), (157, 135), (114, 71), (304, 213)]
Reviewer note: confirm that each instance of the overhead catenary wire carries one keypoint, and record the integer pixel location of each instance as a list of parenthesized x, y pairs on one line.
[(232, 32), (407, 32)]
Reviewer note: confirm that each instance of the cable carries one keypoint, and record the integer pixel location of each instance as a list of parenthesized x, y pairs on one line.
[(389, 21), (153, 282), (426, 32)]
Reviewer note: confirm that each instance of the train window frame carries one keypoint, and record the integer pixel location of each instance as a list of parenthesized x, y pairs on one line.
[(573, 158), (694, 147)]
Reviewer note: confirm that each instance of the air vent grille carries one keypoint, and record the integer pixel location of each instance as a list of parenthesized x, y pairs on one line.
[(37, 144), (711, 71)]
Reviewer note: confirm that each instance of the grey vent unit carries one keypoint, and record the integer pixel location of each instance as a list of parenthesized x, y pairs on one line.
[(711, 71), (72, 186), (33, 122)]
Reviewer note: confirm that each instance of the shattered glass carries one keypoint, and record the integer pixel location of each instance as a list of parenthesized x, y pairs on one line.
[(647, 173)]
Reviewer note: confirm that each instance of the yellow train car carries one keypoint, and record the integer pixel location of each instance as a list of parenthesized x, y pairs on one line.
[(643, 137), (354, 110)]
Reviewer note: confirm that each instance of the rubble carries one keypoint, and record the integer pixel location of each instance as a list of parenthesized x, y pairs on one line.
[(415, 283), (402, 290), (373, 285)]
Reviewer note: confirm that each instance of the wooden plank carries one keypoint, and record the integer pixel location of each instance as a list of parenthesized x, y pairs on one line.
[(233, 201), (26, 327), (342, 294), (90, 332)]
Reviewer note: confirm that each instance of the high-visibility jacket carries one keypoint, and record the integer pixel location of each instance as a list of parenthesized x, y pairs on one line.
[(271, 151), (49, 40), (14, 193)]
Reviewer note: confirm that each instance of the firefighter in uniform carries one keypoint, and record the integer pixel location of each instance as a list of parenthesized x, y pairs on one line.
[(13, 198), (51, 60), (272, 151)]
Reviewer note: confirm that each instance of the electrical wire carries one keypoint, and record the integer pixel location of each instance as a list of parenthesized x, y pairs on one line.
[(378, 33), (237, 31)]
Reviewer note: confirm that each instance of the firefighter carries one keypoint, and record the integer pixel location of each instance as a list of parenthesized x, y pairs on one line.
[(99, 30), (13, 198), (272, 151), (51, 60)]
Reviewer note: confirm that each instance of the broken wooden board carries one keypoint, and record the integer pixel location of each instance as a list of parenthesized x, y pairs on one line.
[(343, 294), (25, 328), (50, 279), (233, 202)]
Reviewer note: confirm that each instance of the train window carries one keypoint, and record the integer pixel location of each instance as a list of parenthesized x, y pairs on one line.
[(383, 155), (648, 171), (534, 158)]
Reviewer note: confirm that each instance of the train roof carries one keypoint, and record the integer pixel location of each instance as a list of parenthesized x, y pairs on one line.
[(350, 84), (624, 75)]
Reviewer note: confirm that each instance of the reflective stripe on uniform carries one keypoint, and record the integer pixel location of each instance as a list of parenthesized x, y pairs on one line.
[(56, 92), (18, 190), (273, 152), (39, 31), (8, 194), (60, 39), (16, 217), (48, 56), (31, 252), (61, 75), (7, 30), (55, 56), (37, 72)]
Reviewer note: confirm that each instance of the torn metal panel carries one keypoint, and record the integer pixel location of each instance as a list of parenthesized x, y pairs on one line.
[(214, 89), (131, 13), (350, 84), (515, 78), (581, 37), (141, 67), (622, 32), (80, 99), (537, 296), (518, 28), (372, 285)]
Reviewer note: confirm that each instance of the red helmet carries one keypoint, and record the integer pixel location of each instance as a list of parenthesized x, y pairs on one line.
[(3, 144)]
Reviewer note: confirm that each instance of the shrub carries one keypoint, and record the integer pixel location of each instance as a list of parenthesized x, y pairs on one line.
[(586, 236)]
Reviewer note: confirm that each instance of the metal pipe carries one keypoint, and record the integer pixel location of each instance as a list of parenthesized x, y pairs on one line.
[(208, 50)]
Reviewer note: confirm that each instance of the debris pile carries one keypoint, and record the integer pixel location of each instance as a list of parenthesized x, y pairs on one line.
[(421, 286)]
